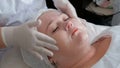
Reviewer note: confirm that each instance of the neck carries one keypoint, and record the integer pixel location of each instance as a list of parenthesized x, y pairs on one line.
[(98, 49), (85, 58)]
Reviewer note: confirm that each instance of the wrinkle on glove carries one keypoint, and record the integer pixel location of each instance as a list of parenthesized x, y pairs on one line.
[(34, 62), (66, 7)]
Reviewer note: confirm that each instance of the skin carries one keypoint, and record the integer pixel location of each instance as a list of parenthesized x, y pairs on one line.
[(72, 40)]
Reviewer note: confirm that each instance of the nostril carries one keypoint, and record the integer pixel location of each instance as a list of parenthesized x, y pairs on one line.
[(69, 25)]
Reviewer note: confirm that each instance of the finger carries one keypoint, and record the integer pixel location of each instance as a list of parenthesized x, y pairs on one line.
[(71, 11), (47, 45), (36, 54), (43, 50), (44, 37)]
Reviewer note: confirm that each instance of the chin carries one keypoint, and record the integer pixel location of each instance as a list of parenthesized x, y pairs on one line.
[(81, 38)]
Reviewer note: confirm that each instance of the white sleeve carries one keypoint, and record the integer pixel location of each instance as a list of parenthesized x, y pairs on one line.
[(19, 11)]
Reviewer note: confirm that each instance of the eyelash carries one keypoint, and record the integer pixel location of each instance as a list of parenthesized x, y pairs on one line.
[(66, 19), (55, 29)]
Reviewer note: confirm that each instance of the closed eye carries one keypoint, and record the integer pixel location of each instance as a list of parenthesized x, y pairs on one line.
[(66, 19), (55, 29)]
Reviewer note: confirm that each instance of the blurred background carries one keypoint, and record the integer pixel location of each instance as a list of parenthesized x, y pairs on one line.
[(94, 14)]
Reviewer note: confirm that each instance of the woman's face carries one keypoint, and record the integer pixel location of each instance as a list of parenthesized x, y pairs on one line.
[(70, 34)]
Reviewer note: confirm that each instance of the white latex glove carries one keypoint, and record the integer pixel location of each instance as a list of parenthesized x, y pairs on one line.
[(27, 38), (66, 7)]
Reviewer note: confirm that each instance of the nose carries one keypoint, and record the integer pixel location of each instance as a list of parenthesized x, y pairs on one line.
[(69, 25)]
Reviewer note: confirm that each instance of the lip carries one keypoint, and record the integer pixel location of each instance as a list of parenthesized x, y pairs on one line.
[(74, 31)]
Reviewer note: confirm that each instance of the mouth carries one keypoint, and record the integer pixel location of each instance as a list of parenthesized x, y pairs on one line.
[(74, 31)]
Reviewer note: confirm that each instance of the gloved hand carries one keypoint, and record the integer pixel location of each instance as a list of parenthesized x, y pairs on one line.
[(27, 38), (66, 7)]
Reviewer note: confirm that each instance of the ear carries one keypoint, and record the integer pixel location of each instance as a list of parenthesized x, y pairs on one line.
[(52, 61)]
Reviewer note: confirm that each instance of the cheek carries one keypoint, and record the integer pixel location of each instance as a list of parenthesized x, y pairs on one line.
[(63, 41), (62, 38)]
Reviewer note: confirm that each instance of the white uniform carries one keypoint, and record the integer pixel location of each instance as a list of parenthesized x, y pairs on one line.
[(112, 57), (13, 12), (16, 12)]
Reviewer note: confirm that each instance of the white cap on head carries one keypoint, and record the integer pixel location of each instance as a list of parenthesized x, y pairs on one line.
[(41, 11)]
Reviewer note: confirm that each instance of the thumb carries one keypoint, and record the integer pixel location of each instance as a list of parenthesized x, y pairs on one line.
[(33, 23)]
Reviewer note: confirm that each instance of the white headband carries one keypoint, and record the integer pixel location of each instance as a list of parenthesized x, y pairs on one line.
[(41, 11)]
